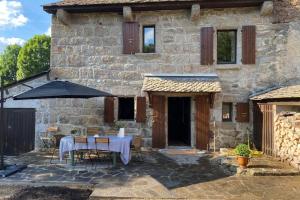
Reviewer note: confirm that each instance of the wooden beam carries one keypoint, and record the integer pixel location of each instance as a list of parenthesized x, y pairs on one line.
[(195, 12), (63, 16), (127, 14), (266, 8)]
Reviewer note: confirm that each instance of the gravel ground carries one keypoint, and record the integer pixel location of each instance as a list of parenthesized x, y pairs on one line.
[(43, 193)]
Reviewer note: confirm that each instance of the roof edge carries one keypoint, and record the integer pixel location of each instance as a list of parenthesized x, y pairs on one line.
[(30, 78), (150, 6)]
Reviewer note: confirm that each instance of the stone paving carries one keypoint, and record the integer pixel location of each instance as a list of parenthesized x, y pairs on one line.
[(159, 176)]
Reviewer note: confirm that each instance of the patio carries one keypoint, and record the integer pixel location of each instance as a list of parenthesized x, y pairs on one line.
[(161, 175)]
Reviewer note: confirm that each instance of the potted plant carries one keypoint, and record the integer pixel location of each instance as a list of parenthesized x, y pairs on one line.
[(243, 152)]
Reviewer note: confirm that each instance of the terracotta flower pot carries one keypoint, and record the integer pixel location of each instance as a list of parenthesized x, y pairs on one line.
[(243, 161)]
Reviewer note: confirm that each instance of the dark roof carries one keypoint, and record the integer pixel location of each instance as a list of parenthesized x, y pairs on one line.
[(61, 89), (25, 80), (288, 92), (143, 5)]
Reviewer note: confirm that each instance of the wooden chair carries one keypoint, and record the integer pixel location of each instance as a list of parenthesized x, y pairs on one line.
[(56, 141), (47, 137), (110, 132), (80, 153), (136, 147), (91, 131), (102, 141)]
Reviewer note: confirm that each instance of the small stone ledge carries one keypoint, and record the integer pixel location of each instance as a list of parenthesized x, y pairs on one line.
[(147, 55), (228, 67)]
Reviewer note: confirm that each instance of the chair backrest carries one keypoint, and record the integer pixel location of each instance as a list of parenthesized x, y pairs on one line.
[(111, 132), (137, 142), (52, 129), (80, 140), (93, 130), (102, 140)]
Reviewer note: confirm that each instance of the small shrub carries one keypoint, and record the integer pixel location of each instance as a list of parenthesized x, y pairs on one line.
[(242, 150)]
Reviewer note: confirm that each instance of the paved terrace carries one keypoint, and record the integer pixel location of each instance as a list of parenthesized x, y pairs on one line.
[(161, 175)]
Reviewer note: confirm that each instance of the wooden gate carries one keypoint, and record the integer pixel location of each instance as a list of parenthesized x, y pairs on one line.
[(264, 127), (19, 130), (202, 122), (158, 122)]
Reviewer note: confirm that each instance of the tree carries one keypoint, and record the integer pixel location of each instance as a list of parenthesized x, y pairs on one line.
[(8, 63), (34, 56)]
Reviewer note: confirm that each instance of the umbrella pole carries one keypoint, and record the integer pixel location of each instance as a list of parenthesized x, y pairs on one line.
[(1, 124)]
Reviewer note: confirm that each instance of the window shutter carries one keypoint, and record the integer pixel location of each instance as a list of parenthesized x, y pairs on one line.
[(248, 44), (242, 112), (141, 109), (130, 37), (109, 110), (207, 42)]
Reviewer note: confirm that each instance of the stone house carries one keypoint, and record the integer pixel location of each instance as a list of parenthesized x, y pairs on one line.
[(182, 71)]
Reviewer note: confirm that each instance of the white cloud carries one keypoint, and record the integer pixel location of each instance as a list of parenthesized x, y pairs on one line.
[(12, 40), (48, 32), (10, 14)]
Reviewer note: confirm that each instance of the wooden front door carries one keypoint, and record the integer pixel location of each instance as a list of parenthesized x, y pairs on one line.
[(202, 121), (158, 122)]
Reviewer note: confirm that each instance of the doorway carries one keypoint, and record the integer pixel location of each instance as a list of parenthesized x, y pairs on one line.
[(179, 121)]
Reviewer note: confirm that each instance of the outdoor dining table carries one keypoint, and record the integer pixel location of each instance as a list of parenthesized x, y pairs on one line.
[(116, 145)]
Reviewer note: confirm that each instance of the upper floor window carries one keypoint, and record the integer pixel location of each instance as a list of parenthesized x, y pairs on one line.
[(226, 46), (148, 39)]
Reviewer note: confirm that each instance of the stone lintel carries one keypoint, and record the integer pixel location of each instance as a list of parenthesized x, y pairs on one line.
[(195, 12), (266, 8), (127, 14), (63, 16)]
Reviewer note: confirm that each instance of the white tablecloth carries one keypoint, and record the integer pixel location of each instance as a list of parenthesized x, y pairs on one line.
[(116, 144)]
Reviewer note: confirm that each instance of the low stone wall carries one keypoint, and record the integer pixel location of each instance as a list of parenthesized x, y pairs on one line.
[(287, 137)]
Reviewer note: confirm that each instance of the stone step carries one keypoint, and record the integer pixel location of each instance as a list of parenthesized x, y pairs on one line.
[(267, 172)]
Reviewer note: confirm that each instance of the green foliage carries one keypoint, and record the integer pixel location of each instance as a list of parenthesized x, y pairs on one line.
[(150, 48), (8, 63), (226, 46), (242, 150), (34, 56)]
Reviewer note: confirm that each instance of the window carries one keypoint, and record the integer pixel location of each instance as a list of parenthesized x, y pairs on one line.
[(227, 112), (126, 108), (148, 39), (226, 47)]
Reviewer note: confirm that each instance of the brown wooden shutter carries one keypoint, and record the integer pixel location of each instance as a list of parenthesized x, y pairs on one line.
[(207, 43), (248, 44), (242, 112), (158, 123), (202, 122), (141, 109), (109, 110), (130, 37)]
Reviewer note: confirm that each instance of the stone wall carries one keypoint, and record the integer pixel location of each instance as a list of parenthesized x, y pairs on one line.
[(287, 137), (286, 10)]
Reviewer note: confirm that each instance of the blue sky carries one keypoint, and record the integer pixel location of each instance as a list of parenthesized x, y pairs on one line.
[(22, 19)]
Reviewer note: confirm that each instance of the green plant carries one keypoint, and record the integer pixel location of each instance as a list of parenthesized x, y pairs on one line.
[(118, 125), (242, 150)]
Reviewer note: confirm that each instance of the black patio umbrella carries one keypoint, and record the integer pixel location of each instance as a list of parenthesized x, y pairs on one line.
[(61, 89)]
